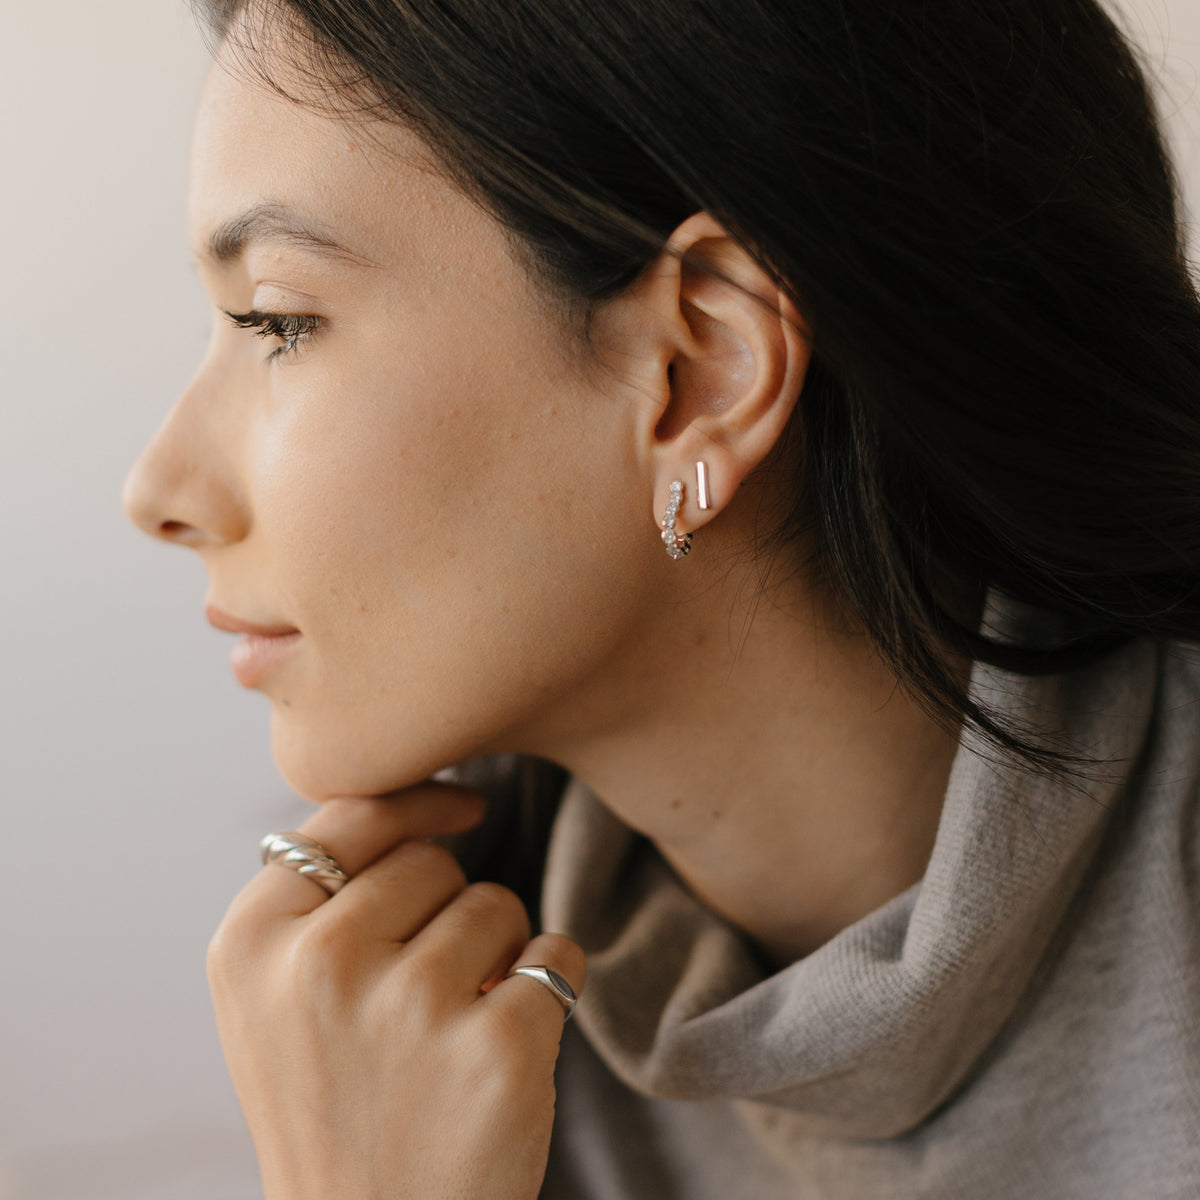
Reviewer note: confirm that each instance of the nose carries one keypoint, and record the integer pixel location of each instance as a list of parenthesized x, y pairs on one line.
[(181, 488)]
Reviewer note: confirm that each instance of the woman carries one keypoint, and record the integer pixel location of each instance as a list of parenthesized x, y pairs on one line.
[(870, 801)]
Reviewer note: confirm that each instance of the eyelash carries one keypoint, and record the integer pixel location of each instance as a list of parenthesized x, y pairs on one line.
[(293, 329)]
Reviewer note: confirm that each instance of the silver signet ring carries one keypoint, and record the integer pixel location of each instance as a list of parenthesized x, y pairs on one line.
[(563, 992)]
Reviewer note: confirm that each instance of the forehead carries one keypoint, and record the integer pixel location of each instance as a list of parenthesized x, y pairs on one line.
[(357, 181)]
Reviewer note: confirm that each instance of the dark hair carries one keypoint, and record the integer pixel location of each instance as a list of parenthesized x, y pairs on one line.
[(971, 204)]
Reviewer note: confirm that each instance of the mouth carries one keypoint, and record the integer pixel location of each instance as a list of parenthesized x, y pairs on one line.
[(262, 647)]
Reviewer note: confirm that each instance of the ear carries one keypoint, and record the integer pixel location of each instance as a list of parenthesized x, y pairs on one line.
[(725, 353)]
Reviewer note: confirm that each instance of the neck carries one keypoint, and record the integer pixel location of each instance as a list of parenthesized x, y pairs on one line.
[(788, 780)]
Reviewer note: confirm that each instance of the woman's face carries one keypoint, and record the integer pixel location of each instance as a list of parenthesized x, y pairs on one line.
[(420, 474)]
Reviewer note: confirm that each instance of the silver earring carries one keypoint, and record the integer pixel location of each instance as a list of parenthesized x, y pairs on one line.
[(702, 500), (677, 544)]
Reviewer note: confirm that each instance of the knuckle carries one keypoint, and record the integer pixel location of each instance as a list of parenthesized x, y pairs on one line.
[(315, 972), (231, 949), (425, 998), (493, 900), (427, 859), (314, 942), (220, 957), (493, 893)]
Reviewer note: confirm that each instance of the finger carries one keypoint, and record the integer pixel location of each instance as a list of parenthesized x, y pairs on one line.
[(531, 1001), (474, 939), (396, 896), (357, 830)]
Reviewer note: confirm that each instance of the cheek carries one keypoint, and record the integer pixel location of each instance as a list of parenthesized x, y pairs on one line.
[(353, 498), (458, 554)]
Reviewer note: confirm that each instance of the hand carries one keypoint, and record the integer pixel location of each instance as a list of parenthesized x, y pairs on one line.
[(375, 1044)]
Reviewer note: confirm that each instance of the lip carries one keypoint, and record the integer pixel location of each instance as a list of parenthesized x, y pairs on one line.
[(257, 653), (220, 619)]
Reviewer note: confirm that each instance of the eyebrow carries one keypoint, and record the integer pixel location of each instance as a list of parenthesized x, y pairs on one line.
[(273, 222)]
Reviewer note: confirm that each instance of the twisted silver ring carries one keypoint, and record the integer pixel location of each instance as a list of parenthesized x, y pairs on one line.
[(563, 992), (304, 856)]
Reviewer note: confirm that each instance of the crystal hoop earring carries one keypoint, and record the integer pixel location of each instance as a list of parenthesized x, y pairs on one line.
[(677, 544)]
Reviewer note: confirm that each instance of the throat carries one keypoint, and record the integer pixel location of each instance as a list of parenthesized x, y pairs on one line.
[(792, 867)]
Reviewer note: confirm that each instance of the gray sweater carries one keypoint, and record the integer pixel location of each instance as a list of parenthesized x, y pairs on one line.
[(1021, 1023)]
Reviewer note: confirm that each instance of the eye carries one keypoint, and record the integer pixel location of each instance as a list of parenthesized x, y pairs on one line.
[(292, 329)]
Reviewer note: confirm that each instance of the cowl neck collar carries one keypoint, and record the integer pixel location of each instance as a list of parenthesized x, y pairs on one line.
[(865, 1036)]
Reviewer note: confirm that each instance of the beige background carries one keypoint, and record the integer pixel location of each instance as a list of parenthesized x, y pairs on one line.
[(137, 775)]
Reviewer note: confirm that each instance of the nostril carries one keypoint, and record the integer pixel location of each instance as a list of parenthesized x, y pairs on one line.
[(176, 531)]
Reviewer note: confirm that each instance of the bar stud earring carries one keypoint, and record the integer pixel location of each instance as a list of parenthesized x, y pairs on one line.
[(702, 500), (677, 544)]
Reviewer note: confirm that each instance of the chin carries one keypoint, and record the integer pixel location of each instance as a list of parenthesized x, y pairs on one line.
[(322, 768)]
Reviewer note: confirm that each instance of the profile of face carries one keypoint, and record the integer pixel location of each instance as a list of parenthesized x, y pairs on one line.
[(411, 460)]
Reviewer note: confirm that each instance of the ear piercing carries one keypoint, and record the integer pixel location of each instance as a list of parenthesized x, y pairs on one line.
[(678, 544)]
